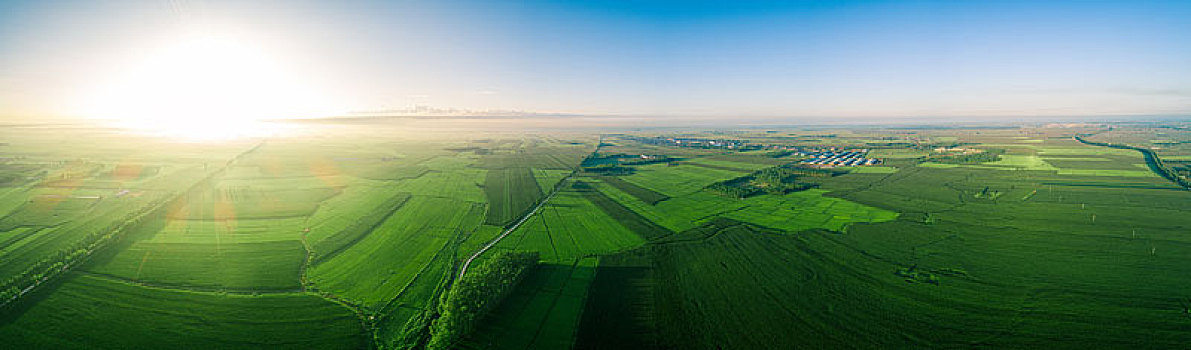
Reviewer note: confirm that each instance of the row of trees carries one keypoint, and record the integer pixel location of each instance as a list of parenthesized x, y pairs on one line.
[(475, 294), (53, 264), (987, 155), (59, 262)]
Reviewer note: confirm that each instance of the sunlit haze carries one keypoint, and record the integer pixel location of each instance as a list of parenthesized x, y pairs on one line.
[(204, 87), (198, 64)]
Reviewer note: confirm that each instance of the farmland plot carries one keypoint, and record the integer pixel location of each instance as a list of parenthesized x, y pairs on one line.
[(377, 268), (88, 312), (570, 227)]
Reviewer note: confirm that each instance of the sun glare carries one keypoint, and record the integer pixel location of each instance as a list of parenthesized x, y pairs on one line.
[(205, 88)]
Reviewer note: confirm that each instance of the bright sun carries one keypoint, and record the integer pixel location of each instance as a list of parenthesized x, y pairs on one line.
[(205, 88)]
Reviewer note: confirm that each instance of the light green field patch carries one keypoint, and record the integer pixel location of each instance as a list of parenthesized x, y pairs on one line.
[(1080, 159), (230, 231), (1029, 141), (806, 210), (791, 212), (548, 178), (462, 184), (1022, 162), (459, 162), (1084, 151), (378, 267), (570, 227), (15, 238), (1179, 158), (678, 180), (339, 212)]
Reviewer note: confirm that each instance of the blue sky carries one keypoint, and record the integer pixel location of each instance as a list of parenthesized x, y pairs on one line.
[(717, 59)]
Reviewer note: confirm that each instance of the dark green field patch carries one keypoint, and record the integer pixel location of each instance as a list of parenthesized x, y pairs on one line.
[(630, 219), (720, 166), (644, 194), (541, 313), (630, 316), (88, 312), (510, 192)]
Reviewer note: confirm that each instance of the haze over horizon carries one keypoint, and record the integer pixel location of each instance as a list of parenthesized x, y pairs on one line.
[(868, 60)]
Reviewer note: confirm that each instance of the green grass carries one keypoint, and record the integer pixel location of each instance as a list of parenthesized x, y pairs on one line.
[(88, 312)]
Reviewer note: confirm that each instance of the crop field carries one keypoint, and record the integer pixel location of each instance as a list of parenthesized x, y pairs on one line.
[(677, 180), (352, 240), (510, 192), (548, 178), (571, 227), (88, 312), (793, 211), (412, 235), (542, 313), (643, 194)]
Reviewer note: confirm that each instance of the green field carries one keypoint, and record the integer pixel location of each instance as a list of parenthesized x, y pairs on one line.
[(352, 239), (510, 193), (571, 227), (88, 312)]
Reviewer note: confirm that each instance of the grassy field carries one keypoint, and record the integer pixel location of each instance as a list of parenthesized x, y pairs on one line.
[(510, 192), (88, 312), (412, 236), (542, 313), (347, 240), (677, 180), (642, 194), (571, 227)]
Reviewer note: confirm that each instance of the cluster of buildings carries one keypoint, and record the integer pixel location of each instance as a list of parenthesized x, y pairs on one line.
[(832, 157), (696, 142), (824, 157)]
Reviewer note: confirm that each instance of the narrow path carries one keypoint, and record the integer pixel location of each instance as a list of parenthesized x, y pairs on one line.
[(525, 217)]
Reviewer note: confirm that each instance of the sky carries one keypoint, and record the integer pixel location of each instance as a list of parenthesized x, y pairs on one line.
[(726, 60)]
